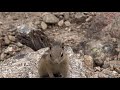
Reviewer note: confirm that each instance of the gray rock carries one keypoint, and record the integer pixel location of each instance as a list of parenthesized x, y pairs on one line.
[(11, 38), (79, 15), (33, 38), (60, 23), (88, 60), (19, 44), (76, 69), (37, 23), (2, 56), (114, 73), (97, 69), (43, 25), (89, 19), (50, 18), (8, 49), (23, 29), (66, 15), (7, 41), (67, 23)]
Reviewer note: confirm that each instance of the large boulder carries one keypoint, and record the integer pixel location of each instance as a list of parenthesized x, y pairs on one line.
[(24, 65)]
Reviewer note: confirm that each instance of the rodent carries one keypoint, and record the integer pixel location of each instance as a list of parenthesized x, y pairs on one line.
[(54, 61)]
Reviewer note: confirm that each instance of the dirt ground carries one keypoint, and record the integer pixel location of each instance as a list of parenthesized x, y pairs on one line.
[(85, 32)]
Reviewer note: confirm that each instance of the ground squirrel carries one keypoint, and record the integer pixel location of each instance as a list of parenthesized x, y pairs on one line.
[(54, 61)]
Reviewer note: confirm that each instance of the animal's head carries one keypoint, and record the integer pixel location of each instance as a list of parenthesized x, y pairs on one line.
[(56, 53)]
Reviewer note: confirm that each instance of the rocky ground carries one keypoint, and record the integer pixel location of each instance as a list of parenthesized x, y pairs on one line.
[(92, 42)]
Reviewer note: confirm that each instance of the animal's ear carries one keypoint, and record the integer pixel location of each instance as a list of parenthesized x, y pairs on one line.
[(62, 45)]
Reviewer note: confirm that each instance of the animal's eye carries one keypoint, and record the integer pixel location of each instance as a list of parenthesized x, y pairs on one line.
[(50, 55), (61, 54), (50, 47)]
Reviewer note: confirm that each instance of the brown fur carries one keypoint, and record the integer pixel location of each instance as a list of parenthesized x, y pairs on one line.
[(56, 64)]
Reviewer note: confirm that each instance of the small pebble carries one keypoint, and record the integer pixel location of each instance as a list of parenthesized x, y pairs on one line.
[(79, 15), (88, 60), (2, 56), (11, 38), (66, 15), (7, 41), (43, 25), (114, 73), (60, 23), (8, 49), (19, 44), (67, 23), (97, 69), (89, 19)]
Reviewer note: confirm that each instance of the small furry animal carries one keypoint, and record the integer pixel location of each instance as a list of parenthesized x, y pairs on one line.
[(54, 61)]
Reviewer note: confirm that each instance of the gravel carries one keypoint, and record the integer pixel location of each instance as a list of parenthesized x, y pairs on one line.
[(93, 36)]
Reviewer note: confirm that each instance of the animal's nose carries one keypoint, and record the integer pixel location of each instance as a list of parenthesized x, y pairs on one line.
[(57, 61)]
